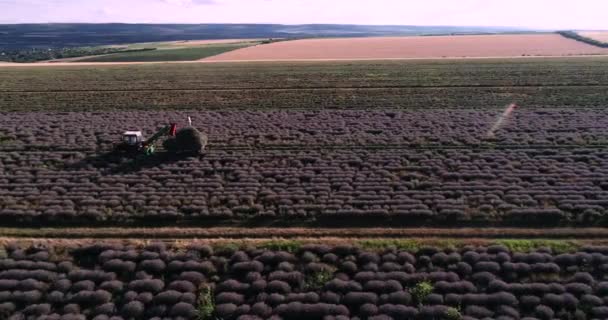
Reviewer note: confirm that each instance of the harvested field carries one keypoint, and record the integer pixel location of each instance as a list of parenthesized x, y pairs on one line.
[(414, 47), (601, 36), (383, 85)]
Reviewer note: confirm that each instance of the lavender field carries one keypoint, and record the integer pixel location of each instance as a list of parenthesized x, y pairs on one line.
[(98, 131), (478, 150), (157, 281), (537, 167)]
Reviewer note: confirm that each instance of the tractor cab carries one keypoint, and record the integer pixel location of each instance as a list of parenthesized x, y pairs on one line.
[(132, 138), (133, 142)]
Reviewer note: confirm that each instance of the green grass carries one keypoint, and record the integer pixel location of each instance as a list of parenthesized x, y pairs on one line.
[(317, 280), (372, 245), (167, 54), (5, 140), (206, 303), (167, 45), (557, 246), (516, 245), (421, 291), (413, 245), (282, 245), (407, 244), (381, 244), (453, 314)]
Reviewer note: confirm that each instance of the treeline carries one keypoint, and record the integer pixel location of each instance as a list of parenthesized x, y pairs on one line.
[(575, 36), (33, 55)]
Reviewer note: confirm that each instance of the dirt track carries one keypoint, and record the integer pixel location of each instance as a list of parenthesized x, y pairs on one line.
[(78, 64), (265, 233), (370, 243)]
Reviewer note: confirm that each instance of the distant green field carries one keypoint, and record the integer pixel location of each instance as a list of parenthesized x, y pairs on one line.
[(180, 54)]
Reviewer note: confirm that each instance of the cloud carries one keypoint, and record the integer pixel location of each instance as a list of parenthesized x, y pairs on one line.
[(104, 12), (547, 14), (190, 2)]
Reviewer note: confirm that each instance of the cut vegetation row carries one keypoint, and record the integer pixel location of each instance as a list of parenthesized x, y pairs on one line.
[(558, 82)]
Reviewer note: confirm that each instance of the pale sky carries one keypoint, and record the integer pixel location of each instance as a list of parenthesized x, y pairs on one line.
[(545, 14)]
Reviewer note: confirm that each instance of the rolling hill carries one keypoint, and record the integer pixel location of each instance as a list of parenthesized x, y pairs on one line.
[(19, 36)]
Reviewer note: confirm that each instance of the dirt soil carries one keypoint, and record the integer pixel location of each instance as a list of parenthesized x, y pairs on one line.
[(415, 47), (78, 64), (265, 233)]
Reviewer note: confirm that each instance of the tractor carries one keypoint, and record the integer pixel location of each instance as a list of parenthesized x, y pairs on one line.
[(133, 142), (185, 140)]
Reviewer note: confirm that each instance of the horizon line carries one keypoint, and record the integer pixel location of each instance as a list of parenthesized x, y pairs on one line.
[(295, 24)]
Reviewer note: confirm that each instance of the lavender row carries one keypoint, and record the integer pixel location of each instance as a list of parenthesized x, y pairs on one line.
[(514, 186), (99, 131), (313, 282)]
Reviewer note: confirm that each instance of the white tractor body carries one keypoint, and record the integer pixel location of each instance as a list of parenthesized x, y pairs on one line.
[(132, 137)]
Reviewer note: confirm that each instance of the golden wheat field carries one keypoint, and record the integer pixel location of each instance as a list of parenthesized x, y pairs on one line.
[(415, 47)]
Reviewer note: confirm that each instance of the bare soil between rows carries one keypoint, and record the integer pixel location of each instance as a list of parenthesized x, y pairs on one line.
[(305, 233)]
